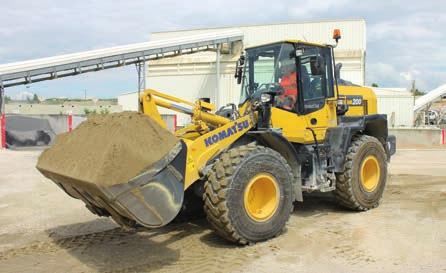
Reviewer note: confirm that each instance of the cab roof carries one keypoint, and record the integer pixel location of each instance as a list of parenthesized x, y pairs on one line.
[(289, 41)]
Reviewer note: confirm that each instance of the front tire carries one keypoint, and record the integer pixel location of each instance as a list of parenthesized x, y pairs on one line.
[(361, 185), (248, 194)]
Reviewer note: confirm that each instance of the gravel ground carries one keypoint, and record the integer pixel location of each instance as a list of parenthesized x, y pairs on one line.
[(44, 230)]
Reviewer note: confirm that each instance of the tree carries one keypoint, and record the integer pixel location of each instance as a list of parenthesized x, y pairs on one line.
[(104, 111), (375, 84), (415, 91), (35, 99), (418, 92), (7, 99), (89, 112)]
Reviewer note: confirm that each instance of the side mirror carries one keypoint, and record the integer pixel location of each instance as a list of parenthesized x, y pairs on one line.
[(317, 64), (338, 67), (239, 69)]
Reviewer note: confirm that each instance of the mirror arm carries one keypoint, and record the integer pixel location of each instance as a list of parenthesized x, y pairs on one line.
[(239, 69)]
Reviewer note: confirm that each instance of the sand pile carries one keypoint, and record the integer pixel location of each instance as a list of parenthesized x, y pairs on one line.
[(108, 149)]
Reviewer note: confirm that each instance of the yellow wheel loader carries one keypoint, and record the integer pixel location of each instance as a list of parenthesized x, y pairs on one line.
[(298, 128)]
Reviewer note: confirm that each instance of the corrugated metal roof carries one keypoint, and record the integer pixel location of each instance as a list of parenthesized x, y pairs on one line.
[(256, 25), (393, 92), (353, 33)]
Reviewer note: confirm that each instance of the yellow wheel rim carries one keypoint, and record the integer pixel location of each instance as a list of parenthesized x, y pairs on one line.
[(370, 173), (261, 197)]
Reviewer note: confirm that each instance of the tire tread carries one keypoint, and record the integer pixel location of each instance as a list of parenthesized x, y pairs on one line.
[(217, 187), (344, 183)]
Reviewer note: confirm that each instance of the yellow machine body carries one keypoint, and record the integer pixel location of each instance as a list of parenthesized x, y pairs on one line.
[(295, 127), (293, 133), (222, 132), (206, 136), (367, 103), (206, 125)]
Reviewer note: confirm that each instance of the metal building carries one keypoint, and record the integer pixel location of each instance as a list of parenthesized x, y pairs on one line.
[(397, 104), (194, 76)]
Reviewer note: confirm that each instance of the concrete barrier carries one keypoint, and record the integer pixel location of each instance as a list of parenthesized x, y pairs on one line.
[(424, 137), (35, 130)]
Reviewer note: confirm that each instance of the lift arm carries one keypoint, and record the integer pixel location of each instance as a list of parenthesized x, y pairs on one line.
[(200, 111)]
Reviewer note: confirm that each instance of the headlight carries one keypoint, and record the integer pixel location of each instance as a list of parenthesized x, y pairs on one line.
[(264, 98)]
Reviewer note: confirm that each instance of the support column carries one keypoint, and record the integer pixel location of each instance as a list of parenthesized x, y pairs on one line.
[(217, 74), (142, 75), (144, 65), (141, 70)]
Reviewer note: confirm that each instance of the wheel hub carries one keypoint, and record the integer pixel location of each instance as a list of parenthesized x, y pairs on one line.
[(261, 197), (370, 173)]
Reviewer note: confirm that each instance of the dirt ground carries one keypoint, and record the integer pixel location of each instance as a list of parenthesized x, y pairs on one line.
[(44, 230)]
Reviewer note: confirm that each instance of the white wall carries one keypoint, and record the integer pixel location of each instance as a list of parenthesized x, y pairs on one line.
[(128, 101), (191, 87), (398, 109), (397, 104)]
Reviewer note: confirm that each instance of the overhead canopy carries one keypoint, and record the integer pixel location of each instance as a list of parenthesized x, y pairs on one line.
[(25, 72)]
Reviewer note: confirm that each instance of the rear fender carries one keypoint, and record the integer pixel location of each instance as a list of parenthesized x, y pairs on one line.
[(339, 138)]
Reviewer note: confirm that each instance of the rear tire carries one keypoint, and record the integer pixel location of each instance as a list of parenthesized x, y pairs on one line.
[(361, 185), (248, 194)]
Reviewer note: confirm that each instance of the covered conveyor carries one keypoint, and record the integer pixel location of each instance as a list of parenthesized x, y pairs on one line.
[(26, 72), (430, 97)]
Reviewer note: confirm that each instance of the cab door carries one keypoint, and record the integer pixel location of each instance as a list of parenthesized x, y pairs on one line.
[(284, 113), (317, 98)]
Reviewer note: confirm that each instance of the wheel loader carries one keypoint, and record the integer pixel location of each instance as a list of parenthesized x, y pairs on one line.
[(297, 128)]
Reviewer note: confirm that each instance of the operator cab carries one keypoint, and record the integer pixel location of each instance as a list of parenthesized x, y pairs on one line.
[(298, 76)]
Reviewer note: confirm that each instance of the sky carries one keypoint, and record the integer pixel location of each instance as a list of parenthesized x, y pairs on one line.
[(405, 39)]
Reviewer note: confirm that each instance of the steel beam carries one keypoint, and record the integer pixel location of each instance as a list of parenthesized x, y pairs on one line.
[(217, 75)]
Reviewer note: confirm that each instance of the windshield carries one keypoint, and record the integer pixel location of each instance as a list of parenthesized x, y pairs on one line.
[(267, 65)]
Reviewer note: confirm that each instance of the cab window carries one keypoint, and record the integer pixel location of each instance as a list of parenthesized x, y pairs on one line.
[(315, 77), (271, 66), (287, 78)]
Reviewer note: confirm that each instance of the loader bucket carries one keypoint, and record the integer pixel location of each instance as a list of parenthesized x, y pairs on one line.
[(149, 194)]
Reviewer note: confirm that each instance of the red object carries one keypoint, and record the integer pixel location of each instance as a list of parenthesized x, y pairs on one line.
[(3, 130), (70, 123), (443, 136), (174, 123), (289, 85)]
